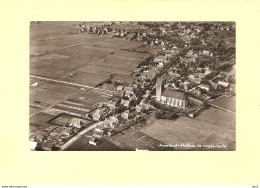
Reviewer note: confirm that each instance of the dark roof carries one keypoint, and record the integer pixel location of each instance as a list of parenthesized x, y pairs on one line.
[(174, 94)]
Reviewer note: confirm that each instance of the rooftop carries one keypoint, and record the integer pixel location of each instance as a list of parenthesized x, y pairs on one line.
[(168, 92)]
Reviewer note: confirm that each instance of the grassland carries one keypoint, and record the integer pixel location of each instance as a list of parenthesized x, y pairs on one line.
[(50, 94), (91, 58), (83, 145), (207, 128), (226, 102)]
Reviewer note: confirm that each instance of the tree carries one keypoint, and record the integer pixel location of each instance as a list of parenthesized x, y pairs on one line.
[(171, 116), (160, 114)]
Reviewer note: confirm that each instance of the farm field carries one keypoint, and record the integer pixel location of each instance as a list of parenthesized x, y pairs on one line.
[(89, 99), (47, 94), (226, 102), (90, 58), (207, 128), (83, 145)]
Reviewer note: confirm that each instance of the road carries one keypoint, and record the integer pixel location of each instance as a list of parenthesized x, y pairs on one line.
[(68, 83), (221, 108), (77, 136)]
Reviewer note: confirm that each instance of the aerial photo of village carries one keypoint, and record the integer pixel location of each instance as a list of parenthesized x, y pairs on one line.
[(132, 86)]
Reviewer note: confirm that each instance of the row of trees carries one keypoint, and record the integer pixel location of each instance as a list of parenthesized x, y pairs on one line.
[(166, 115)]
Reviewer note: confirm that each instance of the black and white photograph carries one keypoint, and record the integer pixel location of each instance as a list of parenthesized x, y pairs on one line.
[(132, 86)]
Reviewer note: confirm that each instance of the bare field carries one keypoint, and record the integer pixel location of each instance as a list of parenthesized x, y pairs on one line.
[(83, 145), (89, 99), (207, 128), (44, 30), (226, 102), (92, 60), (89, 78), (50, 94)]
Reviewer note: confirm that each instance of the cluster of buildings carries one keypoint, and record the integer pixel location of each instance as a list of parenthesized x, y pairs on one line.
[(54, 136), (100, 30)]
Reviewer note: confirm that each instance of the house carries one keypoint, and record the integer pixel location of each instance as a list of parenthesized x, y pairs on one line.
[(189, 53), (205, 87), (125, 102), (120, 93), (138, 108), (147, 93), (68, 131), (39, 138), (142, 107), (48, 146), (125, 114), (196, 91), (201, 75), (160, 58), (129, 90), (149, 74), (191, 76), (134, 115), (160, 65), (206, 52), (98, 115), (224, 84), (76, 122), (96, 135), (112, 104), (111, 132), (94, 141), (197, 80), (99, 129), (214, 85), (187, 85), (113, 121), (120, 88), (207, 71)]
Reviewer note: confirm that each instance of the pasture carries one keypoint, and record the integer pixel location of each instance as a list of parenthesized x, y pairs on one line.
[(89, 58), (206, 128)]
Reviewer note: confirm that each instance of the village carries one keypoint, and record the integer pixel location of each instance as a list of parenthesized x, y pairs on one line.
[(192, 67)]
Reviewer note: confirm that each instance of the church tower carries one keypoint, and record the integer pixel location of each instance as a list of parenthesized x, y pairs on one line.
[(158, 89)]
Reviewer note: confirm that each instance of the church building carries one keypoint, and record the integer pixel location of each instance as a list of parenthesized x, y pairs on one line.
[(170, 96)]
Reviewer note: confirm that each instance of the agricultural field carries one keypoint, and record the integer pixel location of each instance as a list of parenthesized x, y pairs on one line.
[(226, 102), (89, 99), (40, 120), (48, 94), (90, 59), (83, 145), (207, 128)]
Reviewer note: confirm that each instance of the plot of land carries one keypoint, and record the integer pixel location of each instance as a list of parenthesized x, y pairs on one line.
[(90, 98), (91, 58), (50, 94), (207, 128), (83, 145), (45, 30), (226, 102)]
